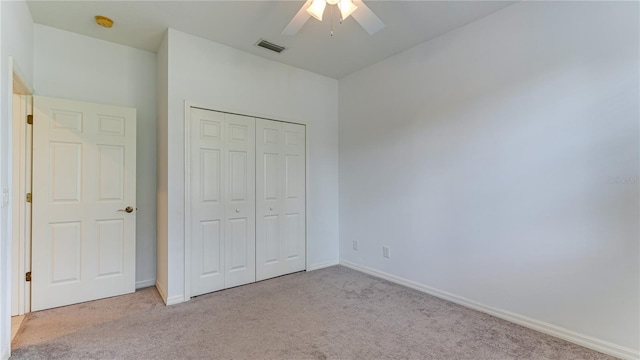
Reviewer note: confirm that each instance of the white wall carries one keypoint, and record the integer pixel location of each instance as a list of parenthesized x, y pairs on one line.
[(77, 67), (223, 78), (162, 165), (5, 242), (500, 163), (16, 42)]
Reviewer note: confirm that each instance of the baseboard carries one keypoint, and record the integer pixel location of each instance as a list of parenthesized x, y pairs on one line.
[(162, 292), (543, 327), (323, 265), (177, 299), (145, 283)]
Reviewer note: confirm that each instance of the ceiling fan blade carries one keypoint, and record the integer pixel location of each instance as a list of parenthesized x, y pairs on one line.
[(298, 20), (369, 21)]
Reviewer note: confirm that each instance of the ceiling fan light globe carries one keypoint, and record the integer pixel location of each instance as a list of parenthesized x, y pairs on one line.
[(332, 2), (317, 9), (346, 8)]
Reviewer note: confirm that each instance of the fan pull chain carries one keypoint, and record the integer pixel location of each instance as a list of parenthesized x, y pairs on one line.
[(331, 20)]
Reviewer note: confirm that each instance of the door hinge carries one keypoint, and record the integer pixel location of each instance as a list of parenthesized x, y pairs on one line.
[(28, 276), (30, 119), (28, 197)]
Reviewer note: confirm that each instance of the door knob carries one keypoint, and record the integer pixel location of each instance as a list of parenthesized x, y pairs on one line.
[(128, 209), (271, 208), (237, 210)]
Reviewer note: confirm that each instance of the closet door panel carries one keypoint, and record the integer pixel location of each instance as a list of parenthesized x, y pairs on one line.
[(209, 248), (280, 203), (271, 239), (207, 223), (240, 199), (268, 199), (293, 157)]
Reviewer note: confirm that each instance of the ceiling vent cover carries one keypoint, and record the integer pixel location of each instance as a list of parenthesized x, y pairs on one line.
[(270, 46)]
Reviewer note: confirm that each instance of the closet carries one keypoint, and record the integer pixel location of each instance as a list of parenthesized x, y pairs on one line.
[(246, 197)]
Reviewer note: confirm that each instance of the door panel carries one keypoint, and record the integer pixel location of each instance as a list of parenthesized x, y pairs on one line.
[(240, 238), (210, 249), (111, 125), (207, 207), (210, 170), (271, 239), (293, 152), (292, 226), (270, 176), (110, 173), (65, 256), (66, 121), (280, 207), (84, 171), (111, 247), (66, 172), (292, 172), (238, 175)]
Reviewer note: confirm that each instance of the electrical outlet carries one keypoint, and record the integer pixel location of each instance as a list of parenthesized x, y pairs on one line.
[(355, 245), (386, 252), (5, 197)]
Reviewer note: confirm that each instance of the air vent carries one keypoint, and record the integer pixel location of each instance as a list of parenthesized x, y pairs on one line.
[(270, 46)]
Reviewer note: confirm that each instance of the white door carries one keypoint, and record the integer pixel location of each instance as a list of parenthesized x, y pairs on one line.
[(222, 191), (84, 192), (280, 198), (240, 211)]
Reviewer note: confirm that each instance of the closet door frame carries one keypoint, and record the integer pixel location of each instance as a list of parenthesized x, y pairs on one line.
[(187, 179)]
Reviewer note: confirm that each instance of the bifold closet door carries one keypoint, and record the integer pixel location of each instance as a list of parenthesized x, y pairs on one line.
[(222, 187), (280, 198)]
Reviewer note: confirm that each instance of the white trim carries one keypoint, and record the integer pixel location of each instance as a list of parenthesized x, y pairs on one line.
[(14, 214), (162, 292), (187, 200), (306, 197), (543, 327), (145, 283), (323, 265), (177, 299), (25, 223), (20, 185), (6, 242), (17, 208), (241, 112), (21, 211), (15, 68)]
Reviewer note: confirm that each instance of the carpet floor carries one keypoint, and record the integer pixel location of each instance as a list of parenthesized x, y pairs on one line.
[(333, 313)]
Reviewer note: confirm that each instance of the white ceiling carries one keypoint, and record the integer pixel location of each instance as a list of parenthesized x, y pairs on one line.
[(240, 24)]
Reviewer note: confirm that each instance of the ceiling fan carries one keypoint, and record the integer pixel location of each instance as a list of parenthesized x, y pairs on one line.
[(356, 8)]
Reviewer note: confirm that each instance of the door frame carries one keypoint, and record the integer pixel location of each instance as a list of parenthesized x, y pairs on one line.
[(187, 180), (20, 215)]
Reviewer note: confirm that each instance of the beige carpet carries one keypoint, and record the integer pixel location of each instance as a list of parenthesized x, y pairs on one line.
[(333, 313)]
